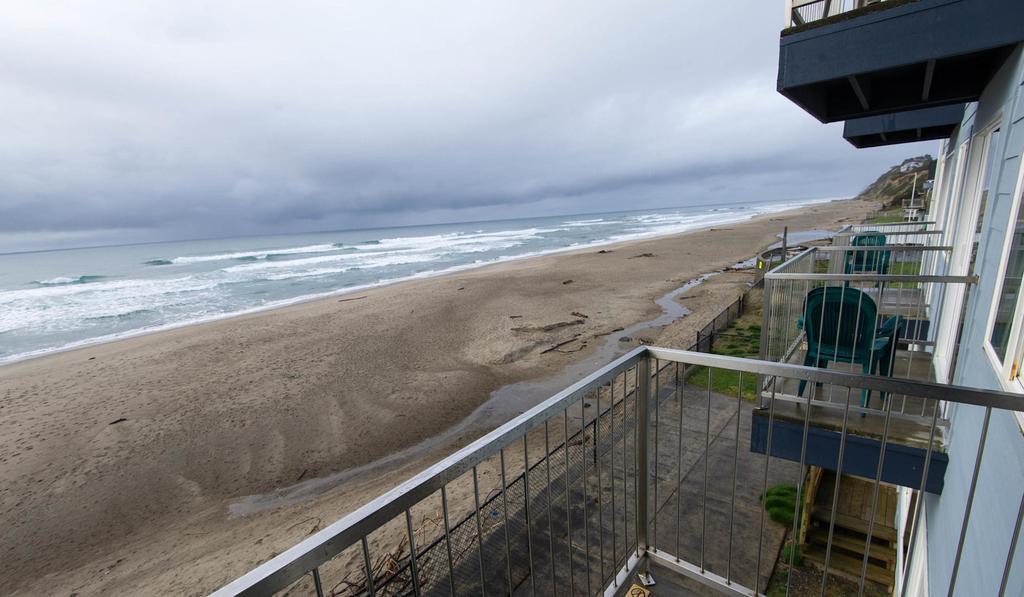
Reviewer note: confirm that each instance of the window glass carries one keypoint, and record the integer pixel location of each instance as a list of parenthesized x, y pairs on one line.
[(990, 165), (1010, 287)]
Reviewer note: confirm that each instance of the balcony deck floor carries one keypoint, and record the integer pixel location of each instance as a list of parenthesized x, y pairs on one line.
[(916, 365)]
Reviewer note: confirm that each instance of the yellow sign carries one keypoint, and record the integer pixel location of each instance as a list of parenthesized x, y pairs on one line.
[(638, 591)]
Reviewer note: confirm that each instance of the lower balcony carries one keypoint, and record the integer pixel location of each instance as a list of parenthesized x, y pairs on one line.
[(646, 465), (926, 124)]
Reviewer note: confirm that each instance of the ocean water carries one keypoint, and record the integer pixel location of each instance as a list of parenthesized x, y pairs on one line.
[(53, 300)]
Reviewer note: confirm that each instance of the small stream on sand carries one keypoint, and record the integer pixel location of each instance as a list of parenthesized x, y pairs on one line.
[(504, 403)]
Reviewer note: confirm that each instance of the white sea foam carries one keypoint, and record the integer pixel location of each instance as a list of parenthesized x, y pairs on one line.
[(589, 223), (66, 311), (263, 254)]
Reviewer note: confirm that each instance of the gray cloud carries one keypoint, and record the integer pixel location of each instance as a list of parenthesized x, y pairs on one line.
[(135, 121)]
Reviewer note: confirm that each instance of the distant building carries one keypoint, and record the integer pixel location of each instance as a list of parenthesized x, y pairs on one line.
[(910, 166)]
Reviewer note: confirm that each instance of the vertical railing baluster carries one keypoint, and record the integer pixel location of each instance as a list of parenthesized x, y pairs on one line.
[(585, 481), (835, 490), (447, 538), (600, 486), (797, 508), (735, 478), (611, 457), (479, 531), (412, 553), (625, 481), (551, 533), (1013, 548), (526, 511), (636, 461), (657, 461), (874, 337), (317, 584), (764, 491), (919, 502), (970, 500), (874, 499), (568, 509), (504, 502), (371, 585), (704, 499), (679, 459)]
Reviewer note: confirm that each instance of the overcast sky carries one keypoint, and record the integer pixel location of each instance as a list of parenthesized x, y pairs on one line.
[(127, 120)]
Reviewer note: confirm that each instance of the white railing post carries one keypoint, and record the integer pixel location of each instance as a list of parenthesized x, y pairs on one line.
[(787, 19)]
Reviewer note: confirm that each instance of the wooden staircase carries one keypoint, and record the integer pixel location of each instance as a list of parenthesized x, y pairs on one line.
[(849, 534)]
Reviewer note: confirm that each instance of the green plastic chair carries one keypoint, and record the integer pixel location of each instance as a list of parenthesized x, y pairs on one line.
[(841, 327), (858, 262)]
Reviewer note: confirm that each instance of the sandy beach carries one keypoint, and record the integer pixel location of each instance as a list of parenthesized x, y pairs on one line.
[(127, 467)]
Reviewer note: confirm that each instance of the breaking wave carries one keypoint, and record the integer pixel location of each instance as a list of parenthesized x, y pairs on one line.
[(62, 281)]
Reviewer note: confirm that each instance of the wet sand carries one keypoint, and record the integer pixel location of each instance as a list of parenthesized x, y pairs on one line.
[(121, 463)]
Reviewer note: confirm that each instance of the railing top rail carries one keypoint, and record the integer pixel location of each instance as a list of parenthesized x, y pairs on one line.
[(900, 248), (921, 389), (895, 278), (883, 224), (792, 260), (898, 232), (290, 565)]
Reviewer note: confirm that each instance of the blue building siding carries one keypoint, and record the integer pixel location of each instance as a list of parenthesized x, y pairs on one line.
[(1001, 477)]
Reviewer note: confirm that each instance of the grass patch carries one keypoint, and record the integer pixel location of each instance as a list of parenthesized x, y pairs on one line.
[(912, 268), (780, 503), (889, 216), (742, 338), (793, 551)]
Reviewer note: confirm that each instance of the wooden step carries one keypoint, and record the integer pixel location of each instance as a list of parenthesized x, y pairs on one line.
[(848, 567), (819, 536), (881, 531)]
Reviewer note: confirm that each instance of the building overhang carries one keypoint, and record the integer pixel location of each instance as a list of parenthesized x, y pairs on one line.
[(926, 124), (897, 56)]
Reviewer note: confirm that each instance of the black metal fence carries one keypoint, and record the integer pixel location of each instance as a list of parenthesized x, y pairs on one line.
[(706, 335)]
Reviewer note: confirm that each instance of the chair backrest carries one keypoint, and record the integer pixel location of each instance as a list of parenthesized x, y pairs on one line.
[(868, 261), (869, 239), (840, 316)]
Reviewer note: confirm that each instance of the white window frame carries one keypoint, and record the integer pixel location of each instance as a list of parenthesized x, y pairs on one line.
[(1015, 341), (945, 334)]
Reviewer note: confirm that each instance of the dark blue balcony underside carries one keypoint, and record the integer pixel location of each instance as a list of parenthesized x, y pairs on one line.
[(903, 464), (927, 124), (913, 55)]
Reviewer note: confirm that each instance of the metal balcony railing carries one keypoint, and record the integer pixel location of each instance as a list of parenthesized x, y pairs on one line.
[(802, 12), (916, 233), (889, 279), (645, 462)]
